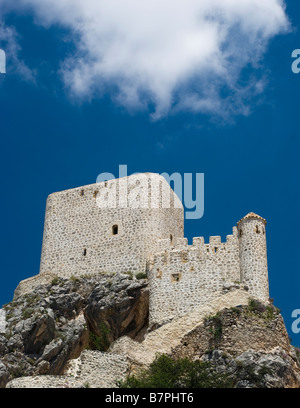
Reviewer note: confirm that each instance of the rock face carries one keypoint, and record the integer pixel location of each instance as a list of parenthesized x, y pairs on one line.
[(93, 369), (55, 322), (93, 331), (250, 343), (121, 307)]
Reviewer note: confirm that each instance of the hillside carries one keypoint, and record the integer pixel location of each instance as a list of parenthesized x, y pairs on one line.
[(92, 331)]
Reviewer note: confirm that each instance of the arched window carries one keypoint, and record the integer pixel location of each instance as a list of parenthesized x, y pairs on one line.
[(115, 229)]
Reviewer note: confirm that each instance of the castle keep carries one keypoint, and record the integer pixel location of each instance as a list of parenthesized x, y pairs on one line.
[(93, 229)]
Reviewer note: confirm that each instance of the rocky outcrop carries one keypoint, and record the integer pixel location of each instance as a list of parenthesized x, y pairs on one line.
[(93, 369), (169, 336), (92, 332), (56, 321), (257, 369), (118, 309), (249, 343)]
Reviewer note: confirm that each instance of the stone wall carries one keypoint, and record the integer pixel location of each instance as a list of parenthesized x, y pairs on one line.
[(28, 285), (183, 277), (253, 256), (99, 228)]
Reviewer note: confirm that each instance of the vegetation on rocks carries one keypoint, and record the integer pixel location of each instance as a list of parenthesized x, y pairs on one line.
[(166, 372), (56, 321)]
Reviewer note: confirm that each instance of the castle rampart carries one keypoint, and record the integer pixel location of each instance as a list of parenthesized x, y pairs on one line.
[(128, 225), (183, 277)]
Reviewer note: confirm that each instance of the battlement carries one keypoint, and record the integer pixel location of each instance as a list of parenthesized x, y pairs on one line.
[(213, 246), (136, 224), (184, 276)]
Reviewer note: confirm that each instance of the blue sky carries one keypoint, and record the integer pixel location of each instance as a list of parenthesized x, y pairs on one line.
[(63, 124)]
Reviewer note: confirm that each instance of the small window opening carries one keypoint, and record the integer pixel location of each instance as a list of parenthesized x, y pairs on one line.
[(216, 250), (257, 229), (175, 277), (241, 233), (115, 230), (84, 252), (105, 184), (171, 239), (82, 193)]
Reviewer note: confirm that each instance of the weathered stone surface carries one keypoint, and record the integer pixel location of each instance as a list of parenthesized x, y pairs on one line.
[(45, 381), (169, 336), (122, 308), (257, 369), (99, 369), (52, 349), (236, 330), (251, 345), (78, 232), (4, 374), (48, 333), (52, 324)]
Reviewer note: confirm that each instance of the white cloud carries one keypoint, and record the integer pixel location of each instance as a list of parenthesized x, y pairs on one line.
[(9, 43), (170, 54)]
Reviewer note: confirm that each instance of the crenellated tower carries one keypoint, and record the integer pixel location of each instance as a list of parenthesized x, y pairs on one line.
[(253, 255)]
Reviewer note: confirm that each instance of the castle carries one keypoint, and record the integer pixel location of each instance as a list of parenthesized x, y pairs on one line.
[(92, 229)]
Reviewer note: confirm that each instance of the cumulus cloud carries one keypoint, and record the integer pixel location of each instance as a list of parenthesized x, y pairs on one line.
[(165, 55)]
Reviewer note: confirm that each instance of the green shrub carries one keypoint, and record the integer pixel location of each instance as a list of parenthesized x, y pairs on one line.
[(101, 342), (236, 310), (141, 275), (54, 281), (166, 372), (130, 274), (256, 306), (27, 313), (18, 371), (215, 323)]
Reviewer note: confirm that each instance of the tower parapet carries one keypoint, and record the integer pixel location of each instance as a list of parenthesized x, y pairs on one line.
[(183, 277), (253, 255)]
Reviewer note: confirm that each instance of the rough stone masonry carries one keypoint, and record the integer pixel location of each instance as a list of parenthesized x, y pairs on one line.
[(96, 229)]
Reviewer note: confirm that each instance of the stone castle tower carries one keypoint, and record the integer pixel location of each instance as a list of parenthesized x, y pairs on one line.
[(136, 224), (253, 254), (112, 226)]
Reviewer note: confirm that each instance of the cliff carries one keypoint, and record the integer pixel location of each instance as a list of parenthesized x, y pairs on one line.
[(57, 321), (92, 332)]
